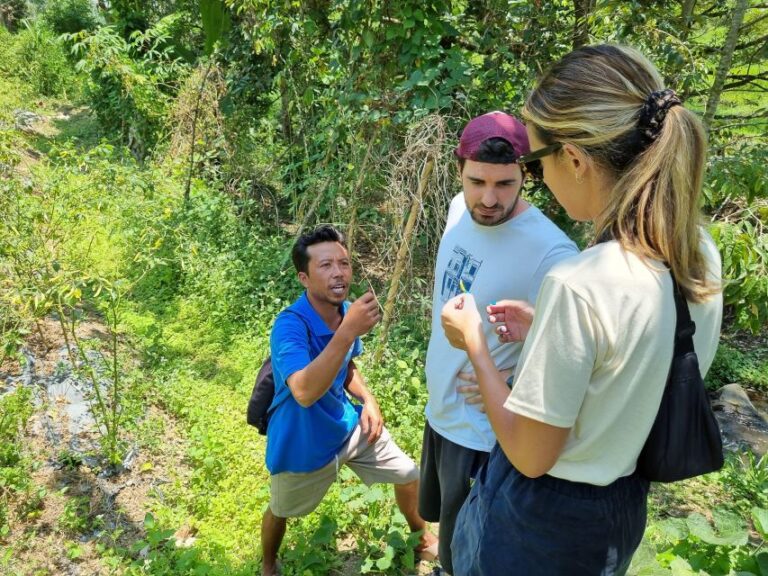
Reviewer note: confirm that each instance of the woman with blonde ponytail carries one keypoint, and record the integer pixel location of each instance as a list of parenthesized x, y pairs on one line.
[(560, 494)]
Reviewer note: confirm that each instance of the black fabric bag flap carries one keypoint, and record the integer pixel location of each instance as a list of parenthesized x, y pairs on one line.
[(685, 439)]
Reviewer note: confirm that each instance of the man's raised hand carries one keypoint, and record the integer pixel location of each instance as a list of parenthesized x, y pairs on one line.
[(362, 315)]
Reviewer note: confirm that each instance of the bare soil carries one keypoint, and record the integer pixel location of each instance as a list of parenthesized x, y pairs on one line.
[(74, 506)]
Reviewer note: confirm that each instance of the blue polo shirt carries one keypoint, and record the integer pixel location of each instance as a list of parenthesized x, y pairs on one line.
[(303, 439)]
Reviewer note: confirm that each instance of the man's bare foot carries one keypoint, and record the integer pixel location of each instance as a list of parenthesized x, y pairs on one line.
[(273, 570), (427, 548)]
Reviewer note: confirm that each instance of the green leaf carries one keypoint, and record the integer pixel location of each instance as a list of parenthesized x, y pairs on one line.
[(216, 22), (673, 529), (680, 567), (644, 561), (730, 528), (760, 520), (366, 566), (762, 563), (385, 562)]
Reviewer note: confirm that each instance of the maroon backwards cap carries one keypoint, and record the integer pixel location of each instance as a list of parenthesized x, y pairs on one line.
[(492, 125)]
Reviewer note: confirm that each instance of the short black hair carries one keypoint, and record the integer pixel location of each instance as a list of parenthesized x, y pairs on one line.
[(493, 151), (325, 233)]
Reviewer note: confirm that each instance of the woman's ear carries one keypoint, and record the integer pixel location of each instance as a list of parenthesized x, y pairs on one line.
[(577, 160)]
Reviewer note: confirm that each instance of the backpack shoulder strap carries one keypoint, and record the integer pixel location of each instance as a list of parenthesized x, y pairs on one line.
[(300, 317), (269, 358)]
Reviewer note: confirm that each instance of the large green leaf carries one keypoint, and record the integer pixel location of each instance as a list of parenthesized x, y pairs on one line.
[(216, 21), (644, 562), (672, 529), (760, 520), (680, 567), (762, 563), (730, 529)]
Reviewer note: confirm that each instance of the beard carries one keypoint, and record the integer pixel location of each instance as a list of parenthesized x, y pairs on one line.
[(499, 215)]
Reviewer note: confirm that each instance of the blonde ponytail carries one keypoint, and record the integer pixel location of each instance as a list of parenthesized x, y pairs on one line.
[(594, 98)]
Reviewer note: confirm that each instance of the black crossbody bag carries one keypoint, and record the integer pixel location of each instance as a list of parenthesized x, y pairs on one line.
[(685, 438), (258, 412)]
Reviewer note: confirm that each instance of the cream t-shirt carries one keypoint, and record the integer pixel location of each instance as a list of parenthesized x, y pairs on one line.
[(598, 353)]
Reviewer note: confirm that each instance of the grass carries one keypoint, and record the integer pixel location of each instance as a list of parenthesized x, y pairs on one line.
[(731, 365), (207, 385)]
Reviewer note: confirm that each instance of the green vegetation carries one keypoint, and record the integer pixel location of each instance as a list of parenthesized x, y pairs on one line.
[(15, 410), (171, 158)]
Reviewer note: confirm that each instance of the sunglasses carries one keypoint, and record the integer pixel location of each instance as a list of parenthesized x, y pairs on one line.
[(531, 163)]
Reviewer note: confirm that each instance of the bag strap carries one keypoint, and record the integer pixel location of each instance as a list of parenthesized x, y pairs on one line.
[(300, 318), (272, 408), (685, 327)]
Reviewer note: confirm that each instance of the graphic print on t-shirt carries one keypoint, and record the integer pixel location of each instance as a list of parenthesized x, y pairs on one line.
[(462, 267)]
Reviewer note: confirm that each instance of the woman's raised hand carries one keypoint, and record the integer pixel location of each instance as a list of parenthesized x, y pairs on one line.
[(515, 318), (461, 321)]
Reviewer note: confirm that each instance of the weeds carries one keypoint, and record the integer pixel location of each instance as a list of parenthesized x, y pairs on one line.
[(15, 411), (694, 545), (746, 478), (74, 517)]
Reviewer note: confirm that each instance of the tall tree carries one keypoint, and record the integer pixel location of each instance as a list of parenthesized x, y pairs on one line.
[(582, 11), (726, 55), (687, 17)]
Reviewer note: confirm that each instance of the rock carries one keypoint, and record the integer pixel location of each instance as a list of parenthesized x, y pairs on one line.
[(110, 490), (130, 459), (741, 423), (25, 118)]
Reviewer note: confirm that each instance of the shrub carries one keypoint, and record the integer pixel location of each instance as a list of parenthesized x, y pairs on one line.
[(128, 82), (736, 191), (68, 16), (12, 12), (744, 249), (41, 60)]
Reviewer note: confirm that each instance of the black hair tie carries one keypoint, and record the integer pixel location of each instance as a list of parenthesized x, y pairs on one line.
[(654, 111)]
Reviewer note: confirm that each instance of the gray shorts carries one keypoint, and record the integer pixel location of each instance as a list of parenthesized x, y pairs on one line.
[(297, 494)]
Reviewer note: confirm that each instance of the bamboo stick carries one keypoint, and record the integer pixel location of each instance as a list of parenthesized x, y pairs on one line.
[(402, 254)]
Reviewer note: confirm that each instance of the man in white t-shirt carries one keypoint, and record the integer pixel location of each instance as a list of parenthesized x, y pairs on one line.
[(495, 246)]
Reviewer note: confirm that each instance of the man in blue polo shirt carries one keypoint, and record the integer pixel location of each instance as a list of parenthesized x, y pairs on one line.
[(314, 428)]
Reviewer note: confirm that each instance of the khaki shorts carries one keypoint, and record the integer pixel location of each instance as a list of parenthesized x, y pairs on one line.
[(297, 494)]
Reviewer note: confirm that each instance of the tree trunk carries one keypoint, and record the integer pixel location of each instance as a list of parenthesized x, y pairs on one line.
[(191, 169), (582, 11), (726, 55), (353, 198), (285, 110), (687, 17)]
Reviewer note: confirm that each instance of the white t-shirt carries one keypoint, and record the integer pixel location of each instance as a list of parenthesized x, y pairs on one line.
[(507, 261), (597, 356)]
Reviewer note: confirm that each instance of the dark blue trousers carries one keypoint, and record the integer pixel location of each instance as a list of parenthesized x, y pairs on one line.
[(514, 525)]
